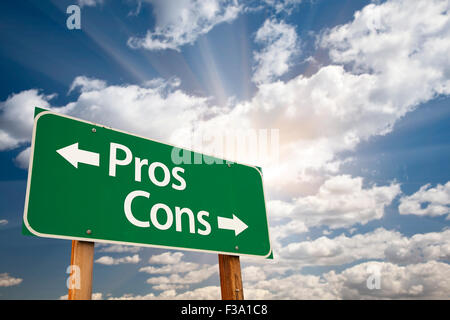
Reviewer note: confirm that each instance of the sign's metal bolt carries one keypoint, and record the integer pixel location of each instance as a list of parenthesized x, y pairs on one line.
[(88, 231), (94, 130), (237, 248)]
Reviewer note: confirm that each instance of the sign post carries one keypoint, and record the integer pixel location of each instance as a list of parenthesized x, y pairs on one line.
[(82, 262), (91, 183), (230, 278)]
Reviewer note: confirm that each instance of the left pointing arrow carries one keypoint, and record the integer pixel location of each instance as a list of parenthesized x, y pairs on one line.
[(74, 155)]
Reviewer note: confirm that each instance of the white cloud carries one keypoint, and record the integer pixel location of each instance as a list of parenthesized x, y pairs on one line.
[(191, 277), (168, 287), (87, 84), (283, 5), (16, 117), (281, 231), (417, 281), (94, 296), (294, 287), (97, 296), (341, 201), (178, 267), (89, 3), (8, 281), (204, 293), (253, 274), (380, 244), (166, 258), (389, 69), (130, 296), (280, 45), (428, 280), (107, 260), (180, 274), (405, 45), (182, 22), (427, 201), (126, 107), (117, 248), (419, 248), (339, 250), (131, 107), (23, 158)]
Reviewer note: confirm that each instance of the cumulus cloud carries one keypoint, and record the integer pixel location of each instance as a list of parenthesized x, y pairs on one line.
[(404, 45), (427, 201), (8, 281), (182, 22), (416, 281), (94, 296), (283, 5), (380, 244), (430, 280), (253, 274), (204, 293), (16, 117), (191, 277), (133, 107), (180, 274), (117, 248), (126, 107), (87, 84), (281, 231), (419, 248), (109, 261), (166, 258), (89, 3), (280, 45), (341, 201), (210, 292), (23, 158), (178, 267)]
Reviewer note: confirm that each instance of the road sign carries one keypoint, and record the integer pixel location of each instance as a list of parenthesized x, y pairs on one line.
[(93, 183)]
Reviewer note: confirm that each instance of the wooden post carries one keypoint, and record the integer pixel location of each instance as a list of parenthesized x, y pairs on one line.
[(82, 262), (230, 277)]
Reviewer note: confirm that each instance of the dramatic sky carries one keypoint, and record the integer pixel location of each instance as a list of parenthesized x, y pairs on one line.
[(358, 188)]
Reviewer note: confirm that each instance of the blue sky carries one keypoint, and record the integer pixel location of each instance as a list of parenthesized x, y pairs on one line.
[(359, 91)]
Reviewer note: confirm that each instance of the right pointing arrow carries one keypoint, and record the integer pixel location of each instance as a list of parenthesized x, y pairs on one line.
[(74, 155), (235, 224)]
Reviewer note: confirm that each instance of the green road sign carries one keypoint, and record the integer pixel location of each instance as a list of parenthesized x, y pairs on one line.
[(90, 182)]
